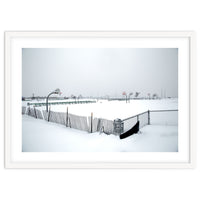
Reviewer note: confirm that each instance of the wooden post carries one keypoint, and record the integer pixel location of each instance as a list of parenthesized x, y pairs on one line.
[(91, 121), (70, 123), (49, 113), (29, 110), (67, 118), (35, 112), (137, 117), (148, 117)]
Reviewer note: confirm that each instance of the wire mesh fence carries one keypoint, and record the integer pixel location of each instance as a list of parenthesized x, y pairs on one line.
[(33, 112), (78, 122), (38, 114), (90, 124), (57, 117), (23, 110), (105, 126), (164, 117), (154, 117), (131, 121)]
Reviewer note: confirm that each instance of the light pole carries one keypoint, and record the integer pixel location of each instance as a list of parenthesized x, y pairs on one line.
[(130, 96), (57, 91), (124, 93)]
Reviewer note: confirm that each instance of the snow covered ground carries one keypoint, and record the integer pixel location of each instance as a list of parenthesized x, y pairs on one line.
[(42, 136)]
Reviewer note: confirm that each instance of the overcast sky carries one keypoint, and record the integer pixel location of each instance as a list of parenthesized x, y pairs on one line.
[(99, 71)]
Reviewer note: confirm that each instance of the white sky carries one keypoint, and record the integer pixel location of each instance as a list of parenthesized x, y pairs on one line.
[(99, 71)]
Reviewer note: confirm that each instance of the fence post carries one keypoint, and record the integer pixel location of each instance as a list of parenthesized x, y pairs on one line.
[(67, 118), (35, 112), (49, 113), (91, 121), (70, 123), (29, 110), (148, 117)]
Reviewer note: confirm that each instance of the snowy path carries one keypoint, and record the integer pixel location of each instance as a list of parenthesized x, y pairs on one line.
[(42, 136)]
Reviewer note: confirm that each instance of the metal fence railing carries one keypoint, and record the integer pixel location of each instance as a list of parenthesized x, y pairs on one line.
[(61, 102), (164, 117), (131, 121), (154, 117)]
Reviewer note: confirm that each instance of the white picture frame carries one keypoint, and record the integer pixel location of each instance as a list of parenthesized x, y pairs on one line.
[(15, 40)]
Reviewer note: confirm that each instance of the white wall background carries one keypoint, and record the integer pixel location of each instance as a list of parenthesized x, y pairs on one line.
[(97, 15)]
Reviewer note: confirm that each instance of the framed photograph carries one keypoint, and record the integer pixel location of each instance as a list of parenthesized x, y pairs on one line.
[(99, 99)]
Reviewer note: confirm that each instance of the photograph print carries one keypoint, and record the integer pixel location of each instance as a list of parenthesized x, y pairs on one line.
[(100, 100)]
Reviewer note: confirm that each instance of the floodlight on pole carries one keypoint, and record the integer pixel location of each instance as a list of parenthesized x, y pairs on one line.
[(57, 91), (124, 93)]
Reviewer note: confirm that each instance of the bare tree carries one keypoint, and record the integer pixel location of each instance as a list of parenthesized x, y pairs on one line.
[(73, 97), (154, 96), (137, 94)]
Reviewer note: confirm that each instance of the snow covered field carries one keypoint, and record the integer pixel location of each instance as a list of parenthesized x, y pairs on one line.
[(41, 136), (114, 109)]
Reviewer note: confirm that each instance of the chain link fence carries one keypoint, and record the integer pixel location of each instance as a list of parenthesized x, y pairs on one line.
[(154, 117), (91, 125)]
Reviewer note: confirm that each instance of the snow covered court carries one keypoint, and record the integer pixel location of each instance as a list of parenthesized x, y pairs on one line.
[(160, 136)]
